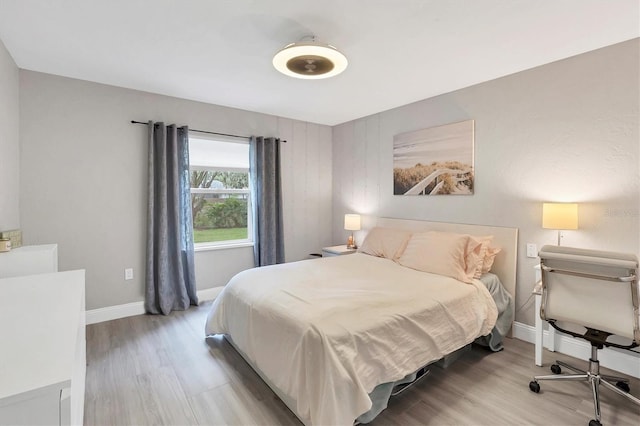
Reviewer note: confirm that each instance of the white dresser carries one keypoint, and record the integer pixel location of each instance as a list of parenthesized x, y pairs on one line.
[(29, 260), (43, 356)]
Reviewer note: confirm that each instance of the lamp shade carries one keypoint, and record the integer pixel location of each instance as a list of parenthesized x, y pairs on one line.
[(560, 216), (352, 222)]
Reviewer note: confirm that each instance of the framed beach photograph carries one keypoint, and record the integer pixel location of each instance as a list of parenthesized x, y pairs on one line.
[(434, 161)]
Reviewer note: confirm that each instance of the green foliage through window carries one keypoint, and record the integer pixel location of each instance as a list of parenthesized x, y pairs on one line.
[(214, 212), (224, 213)]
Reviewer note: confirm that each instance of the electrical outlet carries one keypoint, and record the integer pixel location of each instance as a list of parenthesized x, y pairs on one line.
[(128, 274), (532, 250)]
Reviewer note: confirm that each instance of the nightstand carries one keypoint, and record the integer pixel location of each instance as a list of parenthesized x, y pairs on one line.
[(340, 250)]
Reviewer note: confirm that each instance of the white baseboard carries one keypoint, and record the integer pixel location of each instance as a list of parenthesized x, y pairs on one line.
[(209, 293), (626, 362), (109, 313)]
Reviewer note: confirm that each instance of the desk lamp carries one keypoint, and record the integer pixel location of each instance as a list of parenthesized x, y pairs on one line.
[(560, 216)]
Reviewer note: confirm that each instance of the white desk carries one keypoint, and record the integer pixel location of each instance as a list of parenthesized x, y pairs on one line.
[(551, 341)]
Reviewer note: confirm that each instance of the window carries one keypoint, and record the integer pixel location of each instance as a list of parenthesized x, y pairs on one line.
[(220, 194)]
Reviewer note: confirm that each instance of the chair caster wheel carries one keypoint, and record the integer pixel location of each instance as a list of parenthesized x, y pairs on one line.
[(623, 386), (555, 369), (534, 387), (594, 423)]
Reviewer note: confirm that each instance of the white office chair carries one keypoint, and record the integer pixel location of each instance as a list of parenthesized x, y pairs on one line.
[(598, 291)]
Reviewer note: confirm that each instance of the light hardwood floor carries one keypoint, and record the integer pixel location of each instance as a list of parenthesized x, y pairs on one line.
[(155, 370)]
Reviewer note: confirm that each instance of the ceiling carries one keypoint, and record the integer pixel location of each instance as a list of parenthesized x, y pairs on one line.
[(220, 51)]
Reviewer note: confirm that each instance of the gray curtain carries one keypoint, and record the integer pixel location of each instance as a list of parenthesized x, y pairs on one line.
[(170, 282), (268, 234)]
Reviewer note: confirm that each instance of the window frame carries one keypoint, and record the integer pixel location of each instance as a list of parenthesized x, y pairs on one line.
[(216, 245)]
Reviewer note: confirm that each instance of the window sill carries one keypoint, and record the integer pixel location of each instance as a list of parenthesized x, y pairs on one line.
[(225, 246)]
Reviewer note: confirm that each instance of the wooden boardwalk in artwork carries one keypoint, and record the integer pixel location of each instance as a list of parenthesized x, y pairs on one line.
[(421, 187)]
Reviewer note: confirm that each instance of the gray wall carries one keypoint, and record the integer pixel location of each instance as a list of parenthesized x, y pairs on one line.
[(9, 142), (83, 179), (566, 131)]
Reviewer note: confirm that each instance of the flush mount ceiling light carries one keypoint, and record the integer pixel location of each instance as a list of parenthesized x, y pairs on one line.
[(310, 60)]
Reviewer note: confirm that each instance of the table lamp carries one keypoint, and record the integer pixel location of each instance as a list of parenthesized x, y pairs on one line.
[(560, 216), (351, 223)]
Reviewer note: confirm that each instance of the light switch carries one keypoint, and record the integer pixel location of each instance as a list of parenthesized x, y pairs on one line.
[(532, 250), (128, 274)]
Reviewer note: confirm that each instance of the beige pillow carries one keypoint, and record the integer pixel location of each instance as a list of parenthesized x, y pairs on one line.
[(442, 253), (385, 242)]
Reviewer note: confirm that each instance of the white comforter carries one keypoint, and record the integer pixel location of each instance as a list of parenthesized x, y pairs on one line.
[(327, 331)]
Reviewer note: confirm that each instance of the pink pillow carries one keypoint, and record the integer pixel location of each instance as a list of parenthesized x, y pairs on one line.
[(489, 257), (473, 258), (385, 242), (485, 243), (442, 253)]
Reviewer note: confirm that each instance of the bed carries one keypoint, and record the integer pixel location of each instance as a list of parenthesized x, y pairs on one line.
[(331, 335)]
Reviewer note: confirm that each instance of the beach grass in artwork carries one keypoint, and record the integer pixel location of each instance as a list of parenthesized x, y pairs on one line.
[(434, 161)]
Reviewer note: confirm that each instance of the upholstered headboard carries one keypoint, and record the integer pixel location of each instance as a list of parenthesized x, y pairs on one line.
[(504, 265)]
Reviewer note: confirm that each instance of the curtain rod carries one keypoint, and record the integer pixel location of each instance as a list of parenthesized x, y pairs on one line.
[(205, 131)]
